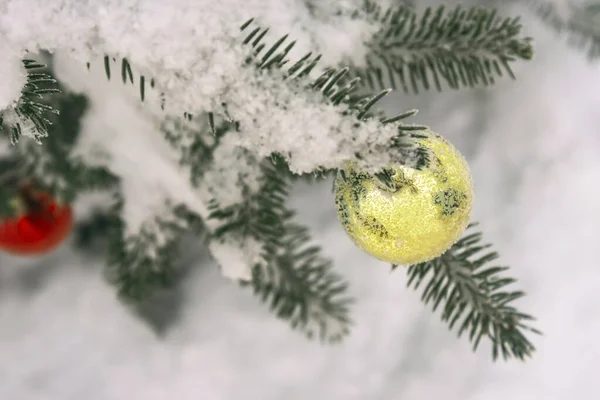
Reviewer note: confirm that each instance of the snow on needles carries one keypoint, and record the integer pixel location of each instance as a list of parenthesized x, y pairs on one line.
[(116, 134), (193, 50)]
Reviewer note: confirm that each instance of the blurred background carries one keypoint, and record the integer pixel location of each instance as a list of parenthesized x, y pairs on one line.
[(533, 146)]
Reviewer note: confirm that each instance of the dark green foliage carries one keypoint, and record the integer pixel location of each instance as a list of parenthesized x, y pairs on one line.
[(63, 175), (140, 264), (300, 286), (582, 25), (471, 296), (259, 215), (462, 47), (29, 106), (297, 283)]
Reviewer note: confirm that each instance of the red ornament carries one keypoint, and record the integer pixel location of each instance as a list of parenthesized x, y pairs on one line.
[(43, 226)]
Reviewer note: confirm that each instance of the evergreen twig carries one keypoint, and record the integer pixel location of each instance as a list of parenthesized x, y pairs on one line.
[(461, 47), (300, 286), (337, 89), (139, 264), (29, 108), (582, 25), (333, 83), (52, 165), (470, 293), (297, 283)]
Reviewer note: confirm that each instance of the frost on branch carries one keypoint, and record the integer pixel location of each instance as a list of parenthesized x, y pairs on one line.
[(29, 114), (19, 126)]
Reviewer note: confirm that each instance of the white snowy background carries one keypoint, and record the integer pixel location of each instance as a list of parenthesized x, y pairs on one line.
[(534, 149)]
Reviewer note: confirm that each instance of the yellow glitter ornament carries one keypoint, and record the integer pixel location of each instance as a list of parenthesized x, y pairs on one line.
[(415, 215)]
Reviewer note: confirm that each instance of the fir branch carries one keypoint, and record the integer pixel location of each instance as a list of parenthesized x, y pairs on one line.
[(29, 110), (471, 294), (337, 89), (258, 216), (140, 264), (51, 165), (462, 47), (582, 25), (298, 284), (333, 83)]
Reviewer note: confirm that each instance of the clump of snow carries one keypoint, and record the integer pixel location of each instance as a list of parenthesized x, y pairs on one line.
[(193, 50), (277, 116), (13, 76), (236, 258), (231, 171)]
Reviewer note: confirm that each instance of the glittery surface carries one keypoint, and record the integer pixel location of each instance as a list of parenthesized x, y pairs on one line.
[(415, 219)]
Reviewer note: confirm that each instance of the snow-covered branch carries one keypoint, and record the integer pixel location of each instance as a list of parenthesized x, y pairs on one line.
[(192, 50)]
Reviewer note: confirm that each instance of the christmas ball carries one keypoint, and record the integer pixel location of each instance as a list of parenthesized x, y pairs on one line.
[(414, 215), (42, 226)]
